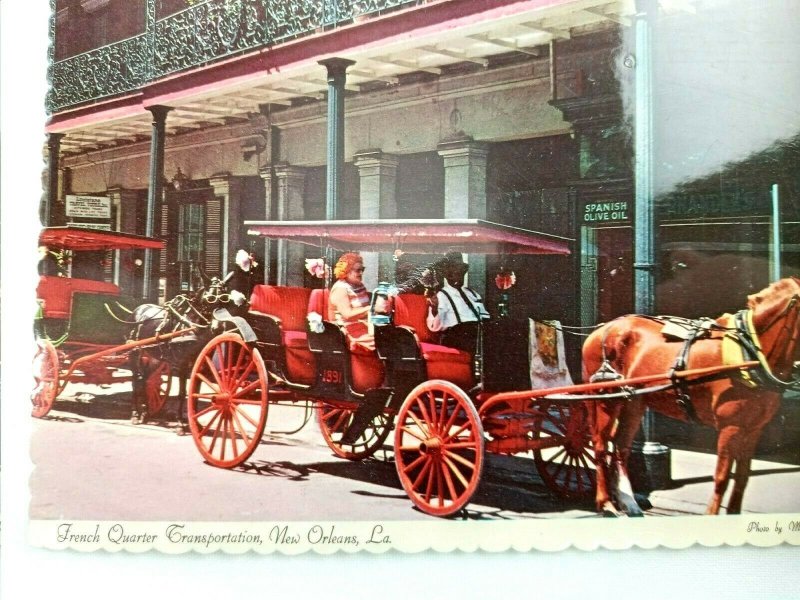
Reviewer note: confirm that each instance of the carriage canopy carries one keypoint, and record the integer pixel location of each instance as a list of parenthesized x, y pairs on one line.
[(424, 236), (83, 239)]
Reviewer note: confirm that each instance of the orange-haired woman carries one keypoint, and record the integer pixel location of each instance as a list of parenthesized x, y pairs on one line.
[(349, 300)]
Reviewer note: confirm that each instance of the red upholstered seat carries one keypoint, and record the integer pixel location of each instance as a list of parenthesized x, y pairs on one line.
[(441, 362), (56, 292), (318, 302), (411, 310), (290, 305)]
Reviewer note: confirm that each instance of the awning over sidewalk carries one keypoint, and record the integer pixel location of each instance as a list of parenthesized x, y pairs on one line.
[(80, 239)]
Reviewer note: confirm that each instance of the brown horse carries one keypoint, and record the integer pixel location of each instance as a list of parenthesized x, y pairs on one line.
[(737, 406)]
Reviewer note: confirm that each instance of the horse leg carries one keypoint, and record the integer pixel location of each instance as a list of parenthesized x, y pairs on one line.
[(605, 418), (138, 391), (726, 443), (742, 473), (629, 422), (183, 375)]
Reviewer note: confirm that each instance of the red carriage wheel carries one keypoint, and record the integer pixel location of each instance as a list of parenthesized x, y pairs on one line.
[(158, 383), (333, 422), (227, 401), (565, 461), (438, 447), (45, 377)]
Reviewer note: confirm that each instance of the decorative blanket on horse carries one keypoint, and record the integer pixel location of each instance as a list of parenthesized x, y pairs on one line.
[(548, 364)]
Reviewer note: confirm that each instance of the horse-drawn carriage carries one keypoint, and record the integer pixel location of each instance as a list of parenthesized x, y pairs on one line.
[(444, 415), (77, 337), (87, 331)]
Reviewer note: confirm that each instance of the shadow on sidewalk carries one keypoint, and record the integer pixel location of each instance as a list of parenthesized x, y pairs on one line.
[(679, 483), (500, 491)]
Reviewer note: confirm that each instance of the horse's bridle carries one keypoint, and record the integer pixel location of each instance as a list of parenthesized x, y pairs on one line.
[(748, 338)]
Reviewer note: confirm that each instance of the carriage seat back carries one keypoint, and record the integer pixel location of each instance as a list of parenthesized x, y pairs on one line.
[(411, 310), (289, 304), (56, 292), (318, 302), (441, 362)]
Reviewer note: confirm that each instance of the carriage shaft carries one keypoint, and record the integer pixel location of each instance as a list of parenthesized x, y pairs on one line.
[(546, 393), (127, 347)]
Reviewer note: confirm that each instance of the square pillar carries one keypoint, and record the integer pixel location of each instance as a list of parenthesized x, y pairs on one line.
[(378, 200), (127, 274), (287, 203), (465, 193), (228, 189)]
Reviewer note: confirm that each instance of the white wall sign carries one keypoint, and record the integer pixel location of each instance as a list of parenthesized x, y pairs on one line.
[(95, 207), (102, 226)]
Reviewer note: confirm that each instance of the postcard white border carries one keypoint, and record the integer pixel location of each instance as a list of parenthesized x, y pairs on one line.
[(376, 537)]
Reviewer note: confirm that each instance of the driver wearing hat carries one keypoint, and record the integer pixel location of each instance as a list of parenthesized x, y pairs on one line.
[(456, 310)]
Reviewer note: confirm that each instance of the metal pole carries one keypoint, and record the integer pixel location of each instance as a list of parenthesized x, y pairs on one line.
[(53, 148), (154, 191), (337, 68), (776, 233), (655, 457)]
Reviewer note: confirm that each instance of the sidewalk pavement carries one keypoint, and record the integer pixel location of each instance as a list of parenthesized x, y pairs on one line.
[(773, 487)]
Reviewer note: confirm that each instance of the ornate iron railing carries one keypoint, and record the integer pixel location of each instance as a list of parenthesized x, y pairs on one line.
[(205, 31)]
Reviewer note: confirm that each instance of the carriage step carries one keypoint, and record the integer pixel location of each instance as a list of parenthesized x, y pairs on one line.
[(374, 403)]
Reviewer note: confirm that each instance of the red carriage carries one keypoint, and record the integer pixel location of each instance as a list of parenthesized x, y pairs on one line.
[(444, 413), (429, 394), (78, 337)]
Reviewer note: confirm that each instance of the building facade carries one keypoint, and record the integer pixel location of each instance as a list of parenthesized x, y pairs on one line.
[(193, 116)]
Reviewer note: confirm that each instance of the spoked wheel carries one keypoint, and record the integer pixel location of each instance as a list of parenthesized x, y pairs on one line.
[(333, 422), (438, 447), (45, 378), (157, 385), (227, 401), (566, 460)]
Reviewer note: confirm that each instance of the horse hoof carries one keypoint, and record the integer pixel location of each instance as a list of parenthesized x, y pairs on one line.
[(643, 502), (609, 510), (137, 419)]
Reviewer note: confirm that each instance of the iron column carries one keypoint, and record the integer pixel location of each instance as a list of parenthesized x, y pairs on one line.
[(337, 68), (155, 190), (655, 456), (53, 149)]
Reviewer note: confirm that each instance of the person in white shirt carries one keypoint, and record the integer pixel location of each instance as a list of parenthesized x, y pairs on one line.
[(456, 310)]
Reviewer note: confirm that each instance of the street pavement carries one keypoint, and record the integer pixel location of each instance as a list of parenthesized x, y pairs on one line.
[(92, 463)]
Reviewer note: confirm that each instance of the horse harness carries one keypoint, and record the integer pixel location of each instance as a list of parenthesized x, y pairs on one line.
[(741, 333)]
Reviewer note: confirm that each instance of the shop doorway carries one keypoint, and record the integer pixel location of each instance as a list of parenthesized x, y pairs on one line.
[(606, 273)]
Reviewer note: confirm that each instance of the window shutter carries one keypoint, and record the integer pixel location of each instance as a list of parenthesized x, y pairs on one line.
[(164, 234), (213, 238)]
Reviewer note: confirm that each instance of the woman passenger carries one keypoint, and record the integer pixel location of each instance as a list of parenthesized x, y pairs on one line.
[(349, 300)]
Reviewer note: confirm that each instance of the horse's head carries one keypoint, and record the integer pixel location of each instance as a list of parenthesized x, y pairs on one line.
[(776, 318)]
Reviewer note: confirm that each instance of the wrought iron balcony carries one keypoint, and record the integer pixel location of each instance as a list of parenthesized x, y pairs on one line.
[(204, 32)]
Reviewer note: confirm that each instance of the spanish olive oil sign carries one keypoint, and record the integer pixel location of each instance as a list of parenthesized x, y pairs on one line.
[(594, 212)]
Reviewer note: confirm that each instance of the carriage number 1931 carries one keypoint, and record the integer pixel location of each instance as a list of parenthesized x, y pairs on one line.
[(332, 376)]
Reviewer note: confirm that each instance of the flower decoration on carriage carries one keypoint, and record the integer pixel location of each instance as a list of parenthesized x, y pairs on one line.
[(504, 280), (317, 267)]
